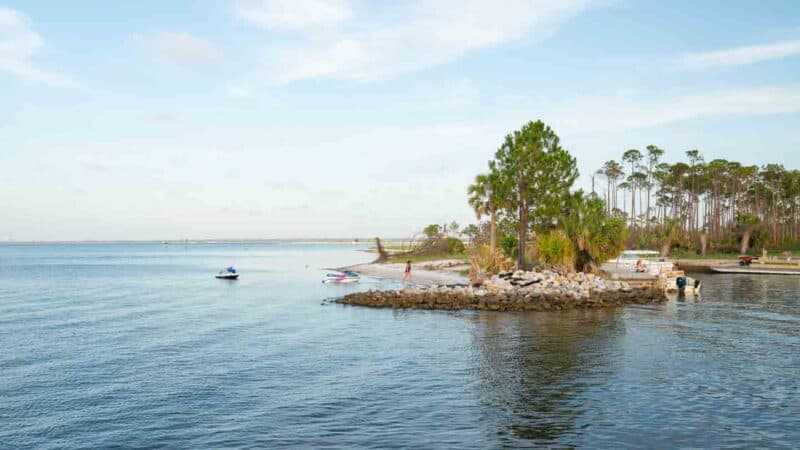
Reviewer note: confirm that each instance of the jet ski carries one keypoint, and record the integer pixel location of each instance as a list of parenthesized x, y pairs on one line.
[(341, 277), (228, 274)]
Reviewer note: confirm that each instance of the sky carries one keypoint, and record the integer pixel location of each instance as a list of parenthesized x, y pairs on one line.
[(344, 118)]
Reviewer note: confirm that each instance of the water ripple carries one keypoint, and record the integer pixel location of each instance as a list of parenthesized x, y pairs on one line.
[(138, 346)]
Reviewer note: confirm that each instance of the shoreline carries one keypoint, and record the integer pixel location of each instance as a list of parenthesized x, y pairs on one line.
[(515, 291), (701, 265), (440, 272)]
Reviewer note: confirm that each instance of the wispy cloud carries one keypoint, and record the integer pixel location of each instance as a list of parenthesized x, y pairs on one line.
[(740, 56), (19, 44), (293, 14), (179, 47), (414, 36), (632, 112)]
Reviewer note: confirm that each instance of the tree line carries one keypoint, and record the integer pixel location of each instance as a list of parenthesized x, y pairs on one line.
[(528, 210), (719, 205)]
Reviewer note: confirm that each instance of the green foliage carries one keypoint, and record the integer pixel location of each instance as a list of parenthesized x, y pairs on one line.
[(437, 243), (432, 231), (454, 245), (487, 196), (536, 172), (746, 221), (423, 256), (473, 233), (748, 231), (703, 199), (485, 262), (595, 235), (488, 193), (555, 248), (510, 245), (688, 206)]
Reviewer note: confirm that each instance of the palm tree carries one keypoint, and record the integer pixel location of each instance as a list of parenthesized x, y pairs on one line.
[(595, 235), (486, 198)]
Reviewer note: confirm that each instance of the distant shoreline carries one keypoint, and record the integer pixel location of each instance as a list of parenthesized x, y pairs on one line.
[(353, 241)]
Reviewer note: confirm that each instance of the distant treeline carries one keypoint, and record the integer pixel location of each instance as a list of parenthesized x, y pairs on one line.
[(716, 205)]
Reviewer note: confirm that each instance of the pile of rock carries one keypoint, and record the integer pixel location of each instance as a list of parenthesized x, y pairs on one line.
[(515, 291)]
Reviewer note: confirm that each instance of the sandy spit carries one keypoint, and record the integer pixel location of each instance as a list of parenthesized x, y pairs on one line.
[(445, 272)]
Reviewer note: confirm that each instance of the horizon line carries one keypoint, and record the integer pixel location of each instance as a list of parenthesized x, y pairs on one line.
[(196, 241)]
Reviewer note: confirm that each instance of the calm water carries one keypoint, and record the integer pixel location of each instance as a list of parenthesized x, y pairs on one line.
[(139, 346)]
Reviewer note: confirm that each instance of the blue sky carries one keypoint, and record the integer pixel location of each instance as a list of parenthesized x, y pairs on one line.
[(341, 118)]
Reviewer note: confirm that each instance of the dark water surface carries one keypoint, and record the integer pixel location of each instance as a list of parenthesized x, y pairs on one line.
[(139, 346)]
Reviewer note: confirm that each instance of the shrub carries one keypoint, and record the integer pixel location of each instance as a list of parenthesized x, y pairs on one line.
[(510, 246), (486, 262), (454, 246), (555, 248)]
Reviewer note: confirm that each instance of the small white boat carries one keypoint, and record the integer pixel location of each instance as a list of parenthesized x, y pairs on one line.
[(228, 274), (342, 277), (642, 265), (642, 261)]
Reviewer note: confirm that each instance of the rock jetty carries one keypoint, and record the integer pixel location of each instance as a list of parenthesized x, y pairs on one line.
[(515, 291)]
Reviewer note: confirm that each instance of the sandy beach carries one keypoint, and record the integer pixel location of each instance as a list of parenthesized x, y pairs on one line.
[(427, 273)]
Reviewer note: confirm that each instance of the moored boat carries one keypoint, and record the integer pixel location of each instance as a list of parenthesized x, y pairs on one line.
[(641, 261), (647, 266), (342, 277)]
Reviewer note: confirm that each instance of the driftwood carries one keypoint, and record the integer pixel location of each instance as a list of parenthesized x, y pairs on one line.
[(382, 255)]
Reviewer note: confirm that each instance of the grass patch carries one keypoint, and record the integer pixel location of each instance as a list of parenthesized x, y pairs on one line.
[(425, 257)]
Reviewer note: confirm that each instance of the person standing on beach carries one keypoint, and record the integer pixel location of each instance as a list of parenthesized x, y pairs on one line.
[(407, 276)]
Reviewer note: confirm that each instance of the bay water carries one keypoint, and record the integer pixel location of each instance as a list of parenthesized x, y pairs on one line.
[(138, 345)]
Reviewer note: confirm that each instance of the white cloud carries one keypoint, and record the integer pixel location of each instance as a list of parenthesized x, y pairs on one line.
[(179, 47), (19, 44), (293, 14), (740, 56), (416, 36)]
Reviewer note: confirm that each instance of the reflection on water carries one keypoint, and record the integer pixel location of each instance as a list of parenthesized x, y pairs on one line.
[(137, 345), (721, 371), (534, 366)]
